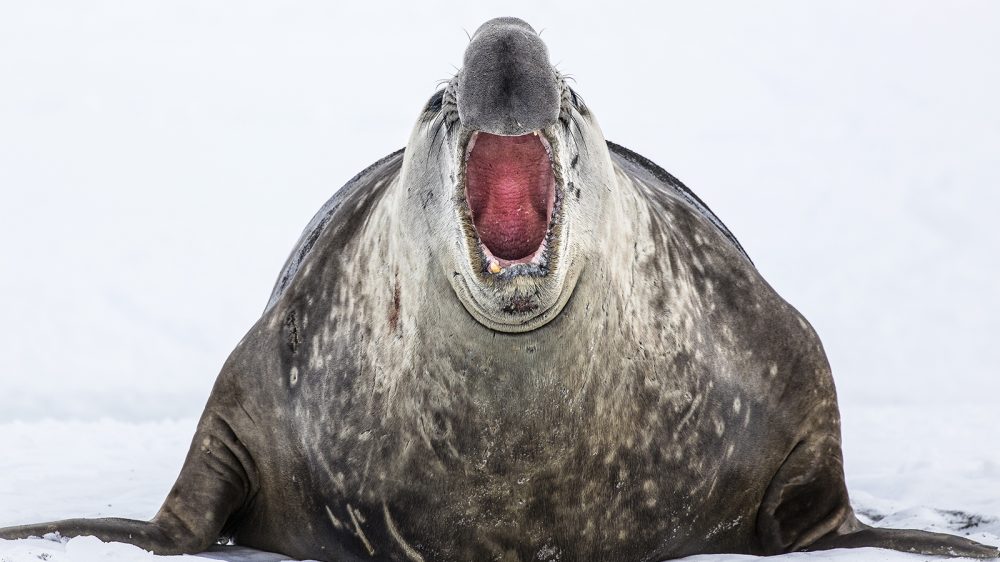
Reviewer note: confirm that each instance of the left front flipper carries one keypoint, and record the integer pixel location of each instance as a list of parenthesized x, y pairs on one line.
[(806, 507)]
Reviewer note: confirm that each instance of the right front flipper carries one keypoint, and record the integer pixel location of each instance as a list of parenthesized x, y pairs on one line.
[(217, 480), (854, 534)]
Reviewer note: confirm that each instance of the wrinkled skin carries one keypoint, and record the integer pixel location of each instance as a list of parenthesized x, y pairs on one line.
[(649, 397)]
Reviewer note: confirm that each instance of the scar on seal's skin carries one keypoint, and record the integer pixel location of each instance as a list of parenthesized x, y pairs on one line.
[(294, 339), (390, 524), (394, 306), (356, 519)]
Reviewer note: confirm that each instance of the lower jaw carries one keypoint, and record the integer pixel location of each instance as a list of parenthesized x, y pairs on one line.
[(535, 265), (499, 315)]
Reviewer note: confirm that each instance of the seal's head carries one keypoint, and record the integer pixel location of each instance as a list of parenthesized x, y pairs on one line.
[(507, 174)]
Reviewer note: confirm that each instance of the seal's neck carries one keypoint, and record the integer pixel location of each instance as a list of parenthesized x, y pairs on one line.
[(416, 313)]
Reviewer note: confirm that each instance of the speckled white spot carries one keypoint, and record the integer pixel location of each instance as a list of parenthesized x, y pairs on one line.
[(720, 427)]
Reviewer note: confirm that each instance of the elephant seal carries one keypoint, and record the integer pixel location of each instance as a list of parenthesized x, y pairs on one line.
[(516, 341)]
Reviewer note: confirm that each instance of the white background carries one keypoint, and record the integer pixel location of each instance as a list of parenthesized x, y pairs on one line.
[(158, 160)]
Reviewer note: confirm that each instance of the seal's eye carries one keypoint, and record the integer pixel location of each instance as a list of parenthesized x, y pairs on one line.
[(434, 104), (511, 192)]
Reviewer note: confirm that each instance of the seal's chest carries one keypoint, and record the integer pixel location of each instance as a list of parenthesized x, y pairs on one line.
[(529, 462), (551, 495), (541, 478)]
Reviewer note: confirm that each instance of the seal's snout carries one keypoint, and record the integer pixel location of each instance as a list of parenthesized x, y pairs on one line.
[(507, 85), (514, 269)]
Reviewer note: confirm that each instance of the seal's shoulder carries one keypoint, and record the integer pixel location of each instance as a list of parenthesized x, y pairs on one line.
[(650, 173), (359, 187)]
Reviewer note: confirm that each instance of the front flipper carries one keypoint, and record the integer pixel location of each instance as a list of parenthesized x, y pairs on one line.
[(854, 534), (806, 507), (215, 482)]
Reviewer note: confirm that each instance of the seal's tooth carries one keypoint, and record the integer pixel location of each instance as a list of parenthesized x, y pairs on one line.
[(495, 267), (471, 145)]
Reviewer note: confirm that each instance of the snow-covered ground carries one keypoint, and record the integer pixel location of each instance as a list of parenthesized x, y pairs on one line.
[(159, 159), (906, 468)]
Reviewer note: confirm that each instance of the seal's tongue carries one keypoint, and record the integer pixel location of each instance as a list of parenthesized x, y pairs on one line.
[(511, 191)]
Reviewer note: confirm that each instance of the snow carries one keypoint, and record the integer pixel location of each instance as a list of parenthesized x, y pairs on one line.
[(946, 481), (90, 549), (159, 160)]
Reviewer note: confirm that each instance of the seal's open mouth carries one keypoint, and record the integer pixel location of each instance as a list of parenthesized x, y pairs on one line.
[(511, 191)]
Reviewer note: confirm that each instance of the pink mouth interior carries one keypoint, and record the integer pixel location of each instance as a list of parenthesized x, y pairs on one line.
[(511, 191)]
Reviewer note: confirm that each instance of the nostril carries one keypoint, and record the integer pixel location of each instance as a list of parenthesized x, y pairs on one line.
[(507, 85)]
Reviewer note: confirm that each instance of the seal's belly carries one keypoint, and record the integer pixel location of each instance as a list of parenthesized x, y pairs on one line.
[(544, 455), (551, 487)]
